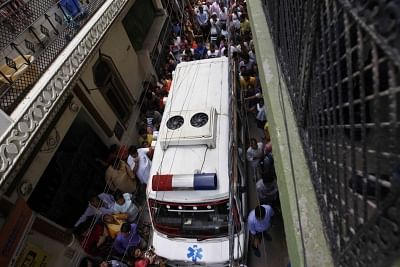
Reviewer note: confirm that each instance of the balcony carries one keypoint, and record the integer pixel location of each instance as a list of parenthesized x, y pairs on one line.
[(32, 35), (35, 97)]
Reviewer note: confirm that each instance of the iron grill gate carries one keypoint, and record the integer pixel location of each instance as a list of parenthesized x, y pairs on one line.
[(340, 60), (60, 32)]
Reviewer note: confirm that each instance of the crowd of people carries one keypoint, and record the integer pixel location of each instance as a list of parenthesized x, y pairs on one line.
[(111, 230)]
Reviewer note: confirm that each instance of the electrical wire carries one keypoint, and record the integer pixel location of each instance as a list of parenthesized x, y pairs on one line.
[(115, 164), (185, 102), (164, 112)]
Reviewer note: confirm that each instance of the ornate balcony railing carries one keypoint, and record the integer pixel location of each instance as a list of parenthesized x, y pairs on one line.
[(17, 16), (340, 60), (51, 92), (57, 22)]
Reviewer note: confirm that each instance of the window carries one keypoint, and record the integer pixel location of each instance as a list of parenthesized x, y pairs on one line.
[(138, 21), (112, 87), (200, 220)]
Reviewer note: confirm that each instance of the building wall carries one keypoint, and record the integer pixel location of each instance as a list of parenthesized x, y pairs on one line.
[(42, 158), (127, 62), (59, 255), (134, 67), (129, 67)]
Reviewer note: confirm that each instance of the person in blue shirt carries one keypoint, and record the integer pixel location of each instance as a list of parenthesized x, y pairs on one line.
[(259, 222), (128, 239), (201, 51), (176, 28)]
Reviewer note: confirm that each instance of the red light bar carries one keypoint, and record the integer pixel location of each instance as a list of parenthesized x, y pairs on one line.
[(169, 182)]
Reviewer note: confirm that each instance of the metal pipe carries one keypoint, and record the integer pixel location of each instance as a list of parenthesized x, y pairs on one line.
[(20, 53), (36, 36), (56, 32)]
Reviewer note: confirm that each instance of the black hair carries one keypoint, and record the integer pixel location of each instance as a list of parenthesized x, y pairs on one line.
[(85, 262), (149, 95), (144, 142), (150, 113), (246, 73), (118, 195), (132, 150), (259, 212), (93, 197), (125, 228), (142, 131), (269, 176)]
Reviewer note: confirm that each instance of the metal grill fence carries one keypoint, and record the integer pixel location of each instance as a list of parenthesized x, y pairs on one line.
[(340, 60), (14, 20), (60, 31)]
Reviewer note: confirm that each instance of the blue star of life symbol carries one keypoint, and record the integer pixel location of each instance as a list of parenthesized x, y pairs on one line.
[(195, 253)]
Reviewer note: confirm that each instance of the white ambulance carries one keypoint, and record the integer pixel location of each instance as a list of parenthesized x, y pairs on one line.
[(188, 192)]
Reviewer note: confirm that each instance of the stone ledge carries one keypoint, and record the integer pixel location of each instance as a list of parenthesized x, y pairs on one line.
[(303, 228)]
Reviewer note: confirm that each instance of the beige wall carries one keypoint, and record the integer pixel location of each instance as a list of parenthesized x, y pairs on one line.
[(128, 65), (133, 68), (50, 146), (60, 255)]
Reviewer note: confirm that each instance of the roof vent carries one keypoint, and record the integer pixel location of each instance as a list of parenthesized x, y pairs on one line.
[(175, 122), (199, 119), (189, 128)]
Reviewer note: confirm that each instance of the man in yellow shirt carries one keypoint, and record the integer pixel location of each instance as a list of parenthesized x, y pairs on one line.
[(144, 136), (244, 25), (114, 223)]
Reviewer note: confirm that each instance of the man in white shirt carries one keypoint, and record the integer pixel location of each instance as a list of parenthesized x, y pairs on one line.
[(98, 205), (124, 204), (141, 163), (246, 62), (215, 28), (255, 152), (214, 8), (223, 14), (261, 116), (212, 53), (259, 222)]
